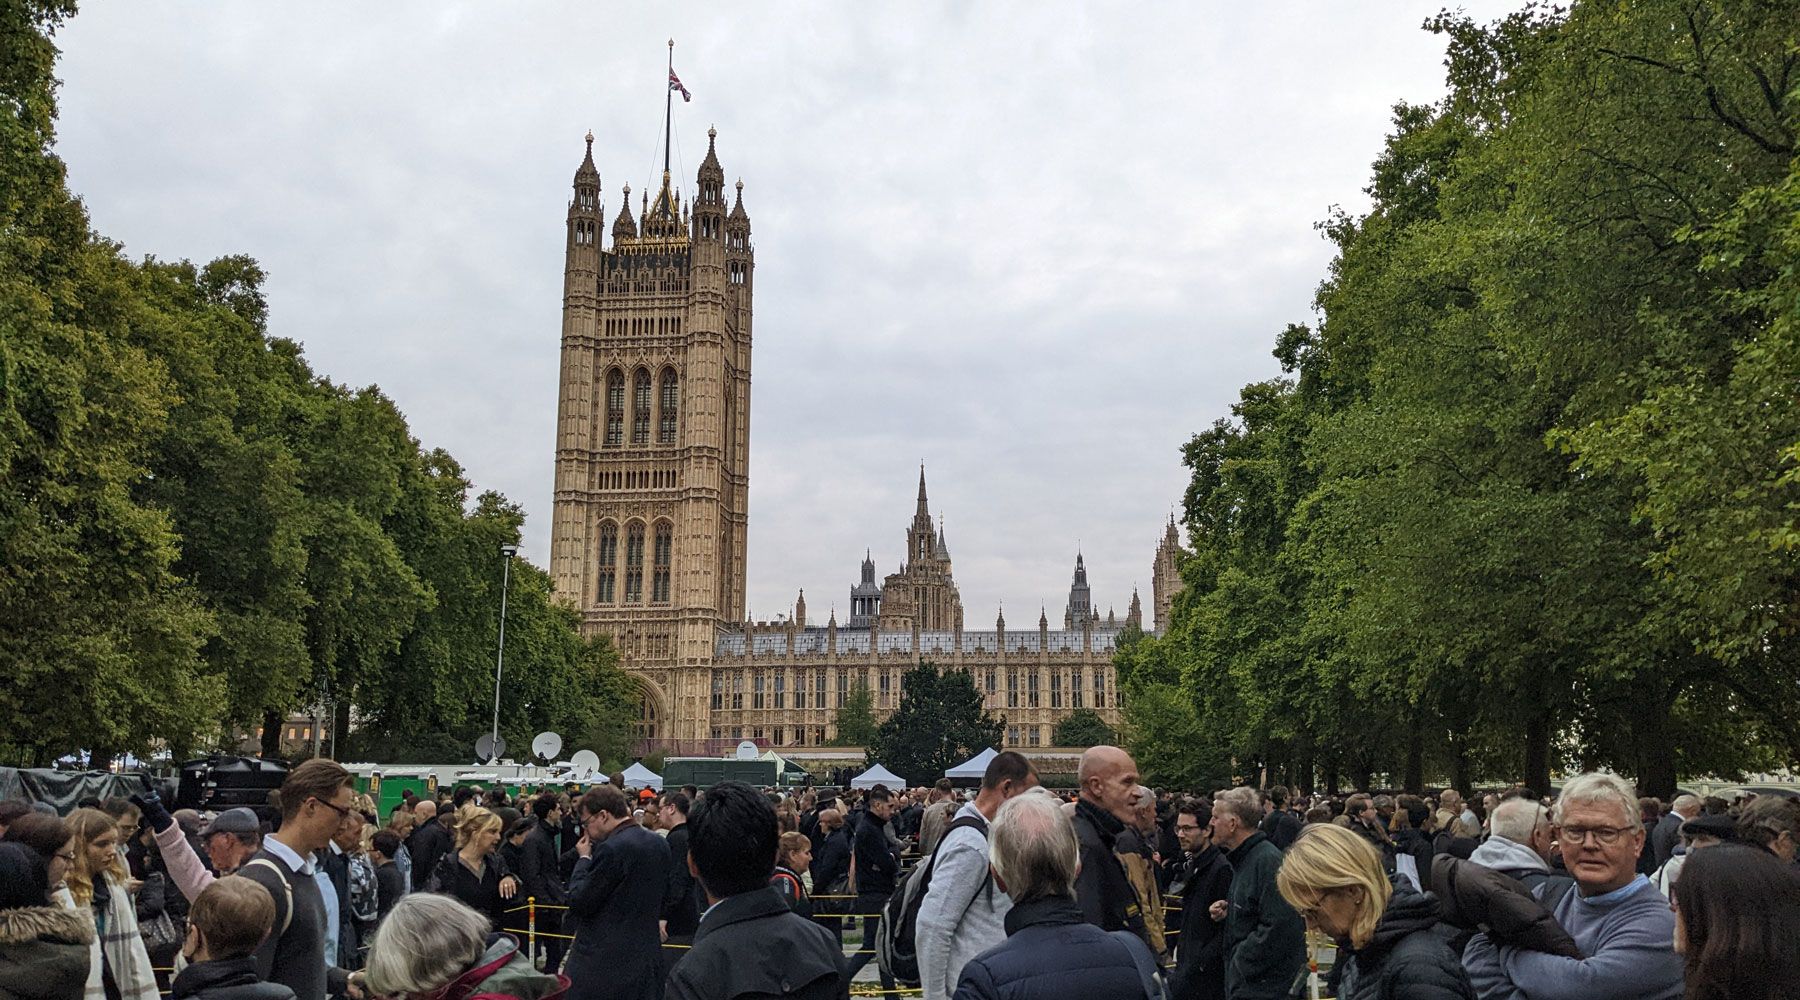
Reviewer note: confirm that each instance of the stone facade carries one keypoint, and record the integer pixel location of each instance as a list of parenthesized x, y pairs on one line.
[(651, 504), (653, 431), (1165, 575)]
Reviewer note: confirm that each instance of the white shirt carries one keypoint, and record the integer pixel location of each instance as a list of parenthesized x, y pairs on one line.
[(288, 856)]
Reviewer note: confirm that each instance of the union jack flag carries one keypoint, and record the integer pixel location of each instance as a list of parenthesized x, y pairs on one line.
[(675, 84)]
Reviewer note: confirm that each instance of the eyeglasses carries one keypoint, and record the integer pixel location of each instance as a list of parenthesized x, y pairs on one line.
[(1605, 836), (70, 857), (342, 811), (1186, 827)]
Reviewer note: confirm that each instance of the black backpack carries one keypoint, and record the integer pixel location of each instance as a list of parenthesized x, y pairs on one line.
[(895, 948)]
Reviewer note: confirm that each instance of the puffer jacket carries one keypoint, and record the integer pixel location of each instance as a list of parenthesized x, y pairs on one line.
[(1471, 897), (1051, 952), (1404, 960), (503, 971), (44, 953)]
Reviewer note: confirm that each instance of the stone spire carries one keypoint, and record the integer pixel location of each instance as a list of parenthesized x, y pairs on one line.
[(625, 227)]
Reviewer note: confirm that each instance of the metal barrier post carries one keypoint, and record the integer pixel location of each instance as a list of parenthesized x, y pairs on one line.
[(531, 927)]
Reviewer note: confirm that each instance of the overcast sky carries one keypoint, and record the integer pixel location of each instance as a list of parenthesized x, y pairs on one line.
[(1034, 245)]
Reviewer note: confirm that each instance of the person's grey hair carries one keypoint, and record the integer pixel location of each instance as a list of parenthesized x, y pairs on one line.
[(1142, 796), (1034, 849), (427, 941), (1684, 802), (1598, 788), (1516, 820), (1244, 803)]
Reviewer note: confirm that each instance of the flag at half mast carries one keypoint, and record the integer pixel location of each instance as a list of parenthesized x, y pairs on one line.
[(675, 85)]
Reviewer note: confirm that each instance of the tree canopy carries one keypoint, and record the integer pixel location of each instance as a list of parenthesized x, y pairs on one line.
[(200, 534), (940, 723), (1524, 499)]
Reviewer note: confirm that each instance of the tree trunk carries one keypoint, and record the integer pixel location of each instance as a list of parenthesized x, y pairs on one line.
[(1303, 774), (271, 734), (1331, 780), (340, 728), (1415, 755), (1537, 751), (1459, 768), (1656, 774), (100, 758)]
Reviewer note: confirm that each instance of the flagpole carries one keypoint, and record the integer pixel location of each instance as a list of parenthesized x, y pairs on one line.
[(668, 109)]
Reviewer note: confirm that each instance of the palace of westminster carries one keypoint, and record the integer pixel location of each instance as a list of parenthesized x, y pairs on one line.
[(652, 499)]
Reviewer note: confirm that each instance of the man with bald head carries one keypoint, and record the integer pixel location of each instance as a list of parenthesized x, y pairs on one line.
[(1109, 783), (428, 842)]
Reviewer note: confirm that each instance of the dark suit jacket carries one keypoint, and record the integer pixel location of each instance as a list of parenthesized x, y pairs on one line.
[(681, 903), (1199, 972), (750, 945), (427, 843), (538, 869), (1666, 835), (615, 901), (876, 866)]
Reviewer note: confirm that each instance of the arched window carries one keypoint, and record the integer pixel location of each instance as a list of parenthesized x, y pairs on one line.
[(615, 408), (659, 581), (640, 408), (609, 561), (634, 563), (671, 402)]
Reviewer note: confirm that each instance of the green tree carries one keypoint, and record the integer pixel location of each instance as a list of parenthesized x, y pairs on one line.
[(856, 717), (939, 724), (1083, 728)]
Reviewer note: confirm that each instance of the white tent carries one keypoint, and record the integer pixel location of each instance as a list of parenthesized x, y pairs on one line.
[(639, 776), (878, 775), (975, 767)]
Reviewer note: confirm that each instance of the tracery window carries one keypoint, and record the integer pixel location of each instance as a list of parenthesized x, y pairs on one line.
[(634, 563), (615, 408), (609, 559), (659, 581), (640, 408), (671, 403)]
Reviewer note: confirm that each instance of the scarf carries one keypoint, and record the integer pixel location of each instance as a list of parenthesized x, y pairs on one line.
[(121, 947)]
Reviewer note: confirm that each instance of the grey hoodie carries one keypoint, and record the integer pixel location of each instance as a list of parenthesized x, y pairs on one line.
[(1504, 855)]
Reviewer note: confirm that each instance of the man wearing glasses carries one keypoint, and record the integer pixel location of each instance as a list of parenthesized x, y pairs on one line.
[(315, 799), (1616, 916)]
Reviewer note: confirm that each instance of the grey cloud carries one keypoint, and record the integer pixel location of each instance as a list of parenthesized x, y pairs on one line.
[(1036, 245)]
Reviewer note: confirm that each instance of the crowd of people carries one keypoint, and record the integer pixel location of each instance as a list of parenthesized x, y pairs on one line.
[(1113, 890)]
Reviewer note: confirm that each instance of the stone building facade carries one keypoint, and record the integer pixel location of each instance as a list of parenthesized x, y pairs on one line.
[(651, 510), (1165, 574)]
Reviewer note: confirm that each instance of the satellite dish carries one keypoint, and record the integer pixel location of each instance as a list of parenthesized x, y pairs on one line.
[(546, 745), (747, 751), (586, 761), (489, 747)]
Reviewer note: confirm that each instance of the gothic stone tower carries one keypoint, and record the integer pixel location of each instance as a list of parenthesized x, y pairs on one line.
[(1165, 574), (653, 432)]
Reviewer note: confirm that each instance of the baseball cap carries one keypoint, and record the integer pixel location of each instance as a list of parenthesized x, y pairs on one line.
[(239, 820)]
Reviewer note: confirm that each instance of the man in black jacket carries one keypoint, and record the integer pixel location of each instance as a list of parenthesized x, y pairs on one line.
[(1281, 826), (1109, 781), (749, 944), (876, 870), (1202, 878), (615, 902), (428, 842), (681, 903), (541, 874)]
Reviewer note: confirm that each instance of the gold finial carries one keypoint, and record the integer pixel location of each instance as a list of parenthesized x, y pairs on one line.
[(671, 43), (590, 137), (740, 184), (712, 132)]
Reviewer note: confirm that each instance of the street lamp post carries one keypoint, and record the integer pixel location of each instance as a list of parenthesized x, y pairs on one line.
[(508, 551)]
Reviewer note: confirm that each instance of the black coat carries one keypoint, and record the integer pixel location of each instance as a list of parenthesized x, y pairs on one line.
[(390, 885), (538, 870), (1666, 837), (1107, 899), (1404, 960), (1281, 827), (1052, 952), (682, 901), (876, 866), (427, 843), (615, 901), (1199, 972), (831, 863), (481, 892), (752, 946), (226, 979)]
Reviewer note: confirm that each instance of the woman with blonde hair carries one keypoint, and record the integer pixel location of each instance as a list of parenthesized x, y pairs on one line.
[(119, 966), (402, 822), (475, 872), (1386, 949)]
